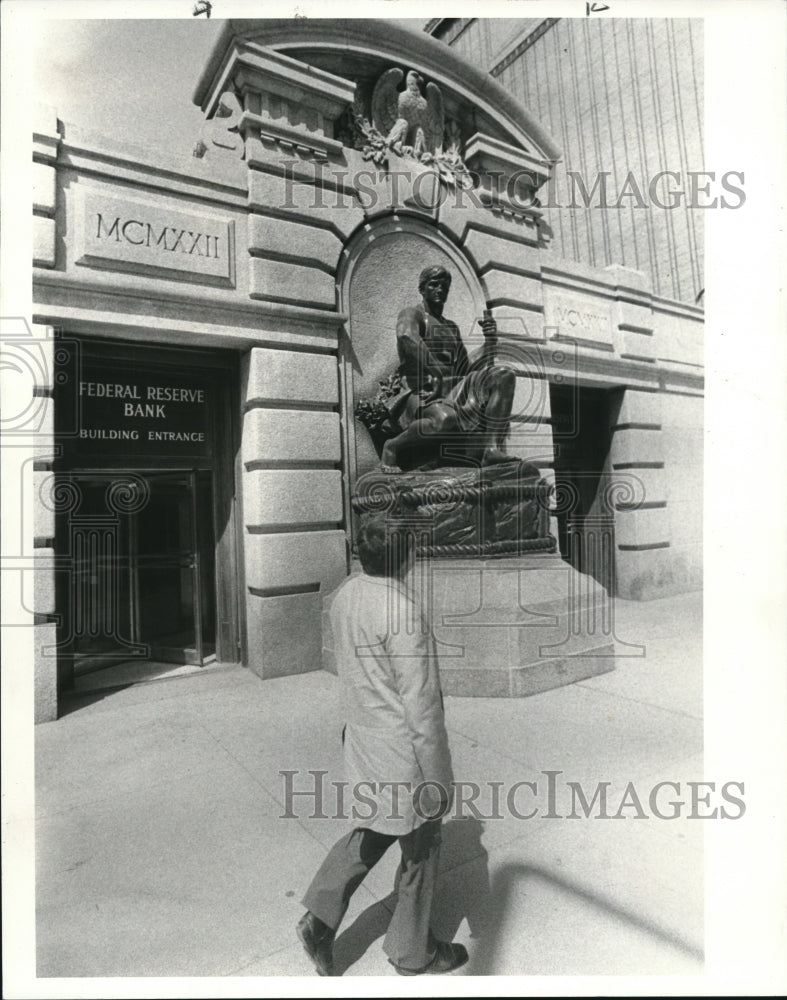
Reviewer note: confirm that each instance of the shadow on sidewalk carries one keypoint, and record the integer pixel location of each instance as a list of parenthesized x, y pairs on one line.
[(516, 879), (73, 701), (486, 905)]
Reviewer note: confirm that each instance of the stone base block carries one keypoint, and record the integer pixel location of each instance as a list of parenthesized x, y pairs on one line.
[(547, 674), (510, 627), (284, 634), (651, 574), (45, 688)]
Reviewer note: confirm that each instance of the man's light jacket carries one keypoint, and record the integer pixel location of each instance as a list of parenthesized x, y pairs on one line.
[(396, 746)]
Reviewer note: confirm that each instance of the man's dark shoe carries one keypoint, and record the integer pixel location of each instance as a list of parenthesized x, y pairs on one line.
[(447, 958), (317, 938)]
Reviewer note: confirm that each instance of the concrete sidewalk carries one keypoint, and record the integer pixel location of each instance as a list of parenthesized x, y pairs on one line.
[(161, 850)]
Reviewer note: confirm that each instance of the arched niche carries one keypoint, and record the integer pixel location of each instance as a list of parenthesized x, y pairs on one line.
[(378, 276)]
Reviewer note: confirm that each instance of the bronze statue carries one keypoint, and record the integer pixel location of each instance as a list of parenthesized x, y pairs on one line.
[(446, 399)]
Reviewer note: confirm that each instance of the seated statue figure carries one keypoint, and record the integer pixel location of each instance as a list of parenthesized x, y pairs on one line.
[(446, 399)]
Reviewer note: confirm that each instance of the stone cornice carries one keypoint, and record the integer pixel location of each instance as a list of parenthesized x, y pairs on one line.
[(382, 40), (46, 134), (77, 154), (611, 367), (289, 136), (62, 299), (482, 152), (676, 308), (265, 70)]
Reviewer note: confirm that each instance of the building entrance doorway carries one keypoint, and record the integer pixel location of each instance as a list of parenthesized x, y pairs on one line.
[(143, 584), (146, 539), (582, 419)]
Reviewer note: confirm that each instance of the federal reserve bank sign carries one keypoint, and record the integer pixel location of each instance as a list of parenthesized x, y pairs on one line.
[(143, 237), (142, 413)]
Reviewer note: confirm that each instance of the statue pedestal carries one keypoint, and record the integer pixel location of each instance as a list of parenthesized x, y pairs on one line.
[(510, 627), (509, 616), (464, 512), (516, 626)]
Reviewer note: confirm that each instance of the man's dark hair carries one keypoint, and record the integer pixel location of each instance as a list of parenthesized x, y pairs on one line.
[(382, 548)]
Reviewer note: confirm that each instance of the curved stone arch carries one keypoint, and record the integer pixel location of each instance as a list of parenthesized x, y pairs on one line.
[(377, 276), (375, 40)]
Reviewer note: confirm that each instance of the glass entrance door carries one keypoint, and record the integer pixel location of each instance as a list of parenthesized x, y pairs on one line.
[(143, 577), (173, 567)]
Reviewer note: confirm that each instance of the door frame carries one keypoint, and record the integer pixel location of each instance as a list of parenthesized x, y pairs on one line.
[(222, 367)]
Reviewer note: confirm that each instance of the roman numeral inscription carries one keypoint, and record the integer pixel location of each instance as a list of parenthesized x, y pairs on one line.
[(125, 234), (168, 238), (582, 319), (579, 317)]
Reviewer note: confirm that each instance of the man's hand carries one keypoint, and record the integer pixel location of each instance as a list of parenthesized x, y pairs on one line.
[(433, 799)]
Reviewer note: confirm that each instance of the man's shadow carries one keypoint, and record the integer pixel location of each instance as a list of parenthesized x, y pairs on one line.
[(464, 892), (459, 896)]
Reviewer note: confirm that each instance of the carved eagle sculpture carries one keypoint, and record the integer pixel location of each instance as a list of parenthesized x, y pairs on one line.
[(410, 122)]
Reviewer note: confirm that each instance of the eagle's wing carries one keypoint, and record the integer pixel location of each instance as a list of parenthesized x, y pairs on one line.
[(385, 100), (434, 118)]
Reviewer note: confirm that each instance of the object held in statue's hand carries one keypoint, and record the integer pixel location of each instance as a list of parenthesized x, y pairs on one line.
[(489, 325), (433, 388)]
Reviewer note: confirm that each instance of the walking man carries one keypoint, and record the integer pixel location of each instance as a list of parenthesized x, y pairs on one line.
[(396, 759)]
